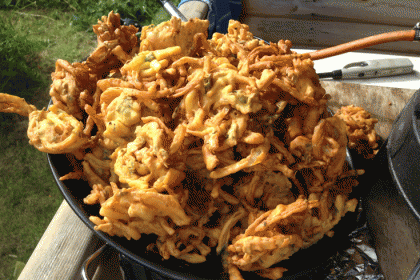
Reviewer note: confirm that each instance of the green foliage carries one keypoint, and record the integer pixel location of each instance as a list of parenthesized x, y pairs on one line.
[(29, 196), (21, 59), (17, 54), (32, 42), (34, 34), (19, 266), (140, 10), (87, 12)]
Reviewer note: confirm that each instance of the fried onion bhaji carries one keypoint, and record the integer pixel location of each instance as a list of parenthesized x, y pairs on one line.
[(14, 104), (360, 130), (172, 33), (221, 144)]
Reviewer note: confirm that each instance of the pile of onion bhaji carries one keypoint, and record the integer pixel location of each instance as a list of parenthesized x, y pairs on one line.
[(221, 144)]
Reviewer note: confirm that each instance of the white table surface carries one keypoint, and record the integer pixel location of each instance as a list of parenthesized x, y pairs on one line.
[(409, 81)]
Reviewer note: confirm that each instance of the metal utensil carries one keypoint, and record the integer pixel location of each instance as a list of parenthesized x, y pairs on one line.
[(371, 69), (172, 9)]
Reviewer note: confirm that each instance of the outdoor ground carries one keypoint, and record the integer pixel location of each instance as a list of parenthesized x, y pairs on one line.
[(32, 40)]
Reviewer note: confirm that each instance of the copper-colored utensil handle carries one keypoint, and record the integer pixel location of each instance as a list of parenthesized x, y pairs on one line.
[(408, 35)]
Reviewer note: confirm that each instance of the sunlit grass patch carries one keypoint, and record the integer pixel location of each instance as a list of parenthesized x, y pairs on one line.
[(31, 43), (34, 35), (29, 199)]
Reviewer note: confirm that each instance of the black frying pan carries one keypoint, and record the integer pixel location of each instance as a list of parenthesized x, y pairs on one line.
[(310, 263)]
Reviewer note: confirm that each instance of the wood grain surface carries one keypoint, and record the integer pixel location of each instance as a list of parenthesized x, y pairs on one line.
[(63, 248), (325, 23), (389, 12), (308, 31)]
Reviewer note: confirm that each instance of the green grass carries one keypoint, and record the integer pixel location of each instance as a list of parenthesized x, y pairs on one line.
[(34, 35), (16, 55), (29, 196), (32, 41), (86, 12)]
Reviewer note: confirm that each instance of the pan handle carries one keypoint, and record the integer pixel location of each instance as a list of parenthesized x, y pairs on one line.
[(407, 35), (91, 264)]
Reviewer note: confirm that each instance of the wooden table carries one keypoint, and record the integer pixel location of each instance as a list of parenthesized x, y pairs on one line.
[(63, 248)]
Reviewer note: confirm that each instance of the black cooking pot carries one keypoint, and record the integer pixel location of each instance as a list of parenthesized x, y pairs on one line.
[(393, 200)]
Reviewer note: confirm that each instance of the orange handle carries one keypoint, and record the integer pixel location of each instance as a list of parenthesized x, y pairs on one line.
[(408, 35)]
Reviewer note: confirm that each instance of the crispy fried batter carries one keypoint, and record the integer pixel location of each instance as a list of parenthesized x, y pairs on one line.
[(13, 104), (116, 45), (360, 130), (55, 132), (172, 33), (220, 144)]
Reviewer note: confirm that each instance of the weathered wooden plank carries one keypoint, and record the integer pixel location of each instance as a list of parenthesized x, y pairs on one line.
[(63, 248), (393, 12), (318, 34)]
